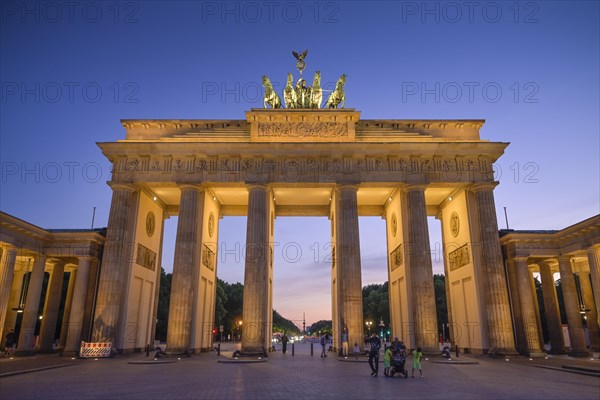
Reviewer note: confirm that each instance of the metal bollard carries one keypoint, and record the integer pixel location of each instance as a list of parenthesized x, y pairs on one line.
[(219, 349), (311, 348), (292, 348), (456, 351), (147, 350)]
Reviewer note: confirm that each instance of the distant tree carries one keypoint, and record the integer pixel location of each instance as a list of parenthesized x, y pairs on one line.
[(376, 305), (281, 324), (164, 293), (322, 326), (439, 285)]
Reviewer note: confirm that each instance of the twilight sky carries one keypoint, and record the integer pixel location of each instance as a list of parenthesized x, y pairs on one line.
[(70, 71)]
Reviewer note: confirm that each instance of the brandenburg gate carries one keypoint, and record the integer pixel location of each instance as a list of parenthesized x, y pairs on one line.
[(302, 162)]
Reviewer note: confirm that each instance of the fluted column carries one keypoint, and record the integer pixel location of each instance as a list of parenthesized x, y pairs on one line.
[(419, 262), (532, 337), (186, 259), (32, 304), (576, 336), (78, 305), (256, 272), (501, 339), (557, 343), (50, 315), (7, 269), (64, 329), (116, 256), (593, 255), (348, 261), (591, 316)]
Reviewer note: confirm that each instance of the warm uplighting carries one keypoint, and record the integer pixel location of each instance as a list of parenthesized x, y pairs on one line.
[(41, 317), (154, 198)]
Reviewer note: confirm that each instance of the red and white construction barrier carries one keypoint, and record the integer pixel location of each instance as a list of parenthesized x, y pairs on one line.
[(95, 350)]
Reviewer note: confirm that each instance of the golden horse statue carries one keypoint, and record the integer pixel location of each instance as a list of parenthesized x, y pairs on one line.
[(316, 93), (289, 93), (271, 97), (337, 96)]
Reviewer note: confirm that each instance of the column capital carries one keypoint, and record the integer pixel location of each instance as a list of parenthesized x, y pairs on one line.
[(190, 186), (415, 187), (9, 247), (479, 186), (564, 258), (86, 258), (57, 261), (522, 259), (258, 186), (346, 186), (122, 186), (592, 249)]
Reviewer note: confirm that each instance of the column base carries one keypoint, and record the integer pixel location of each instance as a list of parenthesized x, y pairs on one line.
[(25, 353), (502, 352), (535, 354), (579, 354), (557, 352)]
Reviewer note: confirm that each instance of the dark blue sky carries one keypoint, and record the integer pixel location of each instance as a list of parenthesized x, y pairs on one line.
[(71, 70)]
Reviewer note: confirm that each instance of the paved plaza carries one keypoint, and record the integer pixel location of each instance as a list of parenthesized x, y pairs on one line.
[(299, 376)]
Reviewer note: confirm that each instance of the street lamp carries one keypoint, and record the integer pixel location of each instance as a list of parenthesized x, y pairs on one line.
[(240, 328), (368, 323), (381, 325)]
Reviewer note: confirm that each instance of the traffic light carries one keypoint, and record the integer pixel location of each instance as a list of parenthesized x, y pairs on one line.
[(214, 331)]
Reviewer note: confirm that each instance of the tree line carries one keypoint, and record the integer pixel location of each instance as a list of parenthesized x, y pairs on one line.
[(376, 308)]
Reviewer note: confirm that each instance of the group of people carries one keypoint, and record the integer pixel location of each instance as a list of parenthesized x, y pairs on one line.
[(396, 348)]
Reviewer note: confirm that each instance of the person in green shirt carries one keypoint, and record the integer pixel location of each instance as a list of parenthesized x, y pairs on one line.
[(387, 358), (416, 362)]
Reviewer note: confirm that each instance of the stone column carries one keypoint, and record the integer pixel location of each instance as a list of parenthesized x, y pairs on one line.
[(515, 299), (576, 336), (7, 269), (256, 272), (501, 339), (419, 262), (557, 343), (186, 260), (348, 262), (532, 338), (116, 255), (591, 316), (50, 315), (32, 304), (67, 311), (536, 307), (78, 306), (593, 254)]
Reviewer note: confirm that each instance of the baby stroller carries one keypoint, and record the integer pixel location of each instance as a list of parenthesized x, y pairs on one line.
[(398, 361)]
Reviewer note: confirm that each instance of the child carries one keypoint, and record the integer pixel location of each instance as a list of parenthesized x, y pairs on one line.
[(356, 350), (416, 362), (387, 358)]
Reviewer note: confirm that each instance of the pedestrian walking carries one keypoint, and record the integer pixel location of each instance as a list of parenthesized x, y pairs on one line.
[(284, 342), (416, 362), (375, 344), (323, 343)]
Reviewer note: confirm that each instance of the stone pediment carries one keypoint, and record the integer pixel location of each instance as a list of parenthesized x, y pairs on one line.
[(302, 125)]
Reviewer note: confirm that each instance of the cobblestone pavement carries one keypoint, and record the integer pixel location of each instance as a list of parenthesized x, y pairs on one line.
[(286, 376)]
